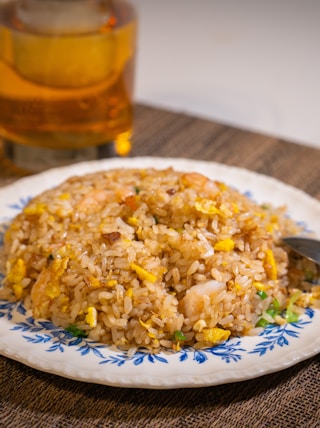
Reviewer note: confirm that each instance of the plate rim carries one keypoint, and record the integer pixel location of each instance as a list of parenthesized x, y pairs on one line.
[(149, 381)]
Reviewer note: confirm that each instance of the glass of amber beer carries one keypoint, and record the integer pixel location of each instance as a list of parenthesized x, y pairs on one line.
[(66, 80)]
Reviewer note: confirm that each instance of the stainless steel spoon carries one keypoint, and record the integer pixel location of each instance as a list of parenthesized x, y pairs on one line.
[(306, 247)]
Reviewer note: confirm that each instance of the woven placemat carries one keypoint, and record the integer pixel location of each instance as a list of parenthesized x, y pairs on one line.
[(288, 398)]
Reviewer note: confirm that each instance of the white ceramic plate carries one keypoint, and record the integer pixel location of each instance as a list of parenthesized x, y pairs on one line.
[(41, 345)]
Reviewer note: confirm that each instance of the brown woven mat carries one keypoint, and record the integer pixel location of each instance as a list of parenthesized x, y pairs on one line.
[(289, 398)]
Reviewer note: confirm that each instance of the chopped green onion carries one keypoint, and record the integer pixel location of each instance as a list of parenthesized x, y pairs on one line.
[(75, 331), (274, 308), (291, 316), (276, 304), (179, 336), (264, 206), (262, 323), (273, 311), (262, 294), (137, 190)]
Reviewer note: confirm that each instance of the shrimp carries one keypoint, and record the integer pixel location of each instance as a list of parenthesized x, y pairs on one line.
[(94, 199), (125, 192), (39, 298), (193, 302), (200, 183), (47, 288)]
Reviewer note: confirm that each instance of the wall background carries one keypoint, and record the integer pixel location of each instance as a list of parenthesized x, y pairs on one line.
[(251, 63)]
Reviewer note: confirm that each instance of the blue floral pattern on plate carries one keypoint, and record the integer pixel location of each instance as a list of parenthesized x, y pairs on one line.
[(41, 344), (57, 339), (20, 204)]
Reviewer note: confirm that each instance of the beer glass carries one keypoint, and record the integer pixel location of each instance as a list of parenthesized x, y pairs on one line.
[(66, 80)]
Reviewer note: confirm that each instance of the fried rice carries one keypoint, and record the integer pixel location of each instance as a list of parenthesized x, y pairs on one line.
[(156, 259)]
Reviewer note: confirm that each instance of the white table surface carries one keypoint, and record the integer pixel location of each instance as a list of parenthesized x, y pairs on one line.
[(251, 63)]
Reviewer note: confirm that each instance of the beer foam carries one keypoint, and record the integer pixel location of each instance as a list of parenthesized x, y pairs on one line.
[(63, 16)]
